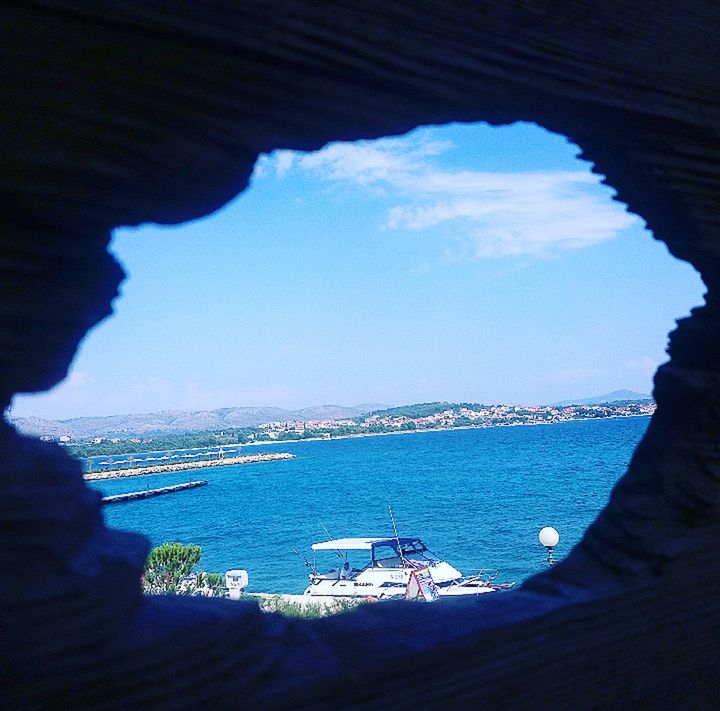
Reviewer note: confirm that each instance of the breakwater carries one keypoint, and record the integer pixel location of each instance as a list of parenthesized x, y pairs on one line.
[(148, 493), (184, 466)]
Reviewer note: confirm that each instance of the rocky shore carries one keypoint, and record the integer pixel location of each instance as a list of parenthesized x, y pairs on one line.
[(183, 466)]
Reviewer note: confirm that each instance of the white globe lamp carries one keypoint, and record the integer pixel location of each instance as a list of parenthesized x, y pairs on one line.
[(549, 537)]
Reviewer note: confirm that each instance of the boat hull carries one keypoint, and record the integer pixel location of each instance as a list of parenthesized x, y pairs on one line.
[(387, 585)]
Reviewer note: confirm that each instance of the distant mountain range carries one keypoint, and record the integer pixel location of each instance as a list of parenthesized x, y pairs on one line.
[(615, 396), (183, 421), (176, 421)]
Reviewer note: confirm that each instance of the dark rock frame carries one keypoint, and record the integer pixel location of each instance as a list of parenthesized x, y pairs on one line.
[(118, 113)]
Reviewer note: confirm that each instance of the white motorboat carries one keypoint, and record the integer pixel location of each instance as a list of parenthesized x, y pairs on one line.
[(398, 568)]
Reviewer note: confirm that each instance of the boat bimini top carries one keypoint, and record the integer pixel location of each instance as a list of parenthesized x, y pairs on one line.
[(365, 544)]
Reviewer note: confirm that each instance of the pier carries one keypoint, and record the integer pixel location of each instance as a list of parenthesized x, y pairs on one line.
[(148, 493), (184, 466)]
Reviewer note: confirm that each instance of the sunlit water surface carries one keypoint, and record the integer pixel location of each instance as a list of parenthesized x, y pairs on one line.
[(477, 497)]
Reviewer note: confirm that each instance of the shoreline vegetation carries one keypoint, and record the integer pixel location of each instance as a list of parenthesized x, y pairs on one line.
[(427, 417), (170, 569), (183, 466)]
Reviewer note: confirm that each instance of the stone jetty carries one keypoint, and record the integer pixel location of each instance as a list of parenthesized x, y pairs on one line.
[(184, 466), (149, 493)]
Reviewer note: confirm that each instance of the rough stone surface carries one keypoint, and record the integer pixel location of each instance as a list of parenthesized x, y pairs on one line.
[(119, 113)]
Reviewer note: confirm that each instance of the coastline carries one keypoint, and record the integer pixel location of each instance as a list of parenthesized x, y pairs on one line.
[(156, 469), (431, 429), (185, 466)]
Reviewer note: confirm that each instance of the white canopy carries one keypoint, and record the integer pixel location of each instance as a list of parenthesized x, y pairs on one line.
[(348, 544)]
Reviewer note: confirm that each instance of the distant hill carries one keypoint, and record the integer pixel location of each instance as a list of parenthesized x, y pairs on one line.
[(182, 421), (615, 396), (417, 410), (425, 409), (178, 421)]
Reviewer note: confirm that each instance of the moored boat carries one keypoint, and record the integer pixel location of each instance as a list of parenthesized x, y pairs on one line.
[(399, 567)]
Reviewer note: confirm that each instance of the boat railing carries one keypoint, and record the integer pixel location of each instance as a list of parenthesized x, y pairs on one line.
[(486, 575)]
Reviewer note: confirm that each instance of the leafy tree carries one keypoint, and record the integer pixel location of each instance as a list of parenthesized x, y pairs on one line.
[(166, 567), (210, 584), (168, 571)]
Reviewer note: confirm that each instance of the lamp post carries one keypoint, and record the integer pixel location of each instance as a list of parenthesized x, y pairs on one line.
[(549, 537)]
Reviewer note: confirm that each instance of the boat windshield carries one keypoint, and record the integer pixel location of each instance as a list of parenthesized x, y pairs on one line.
[(387, 553), (416, 547)]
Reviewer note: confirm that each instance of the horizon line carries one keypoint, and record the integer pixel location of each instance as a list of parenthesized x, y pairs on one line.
[(378, 406)]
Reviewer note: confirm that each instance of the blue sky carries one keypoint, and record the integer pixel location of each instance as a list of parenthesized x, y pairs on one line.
[(459, 263)]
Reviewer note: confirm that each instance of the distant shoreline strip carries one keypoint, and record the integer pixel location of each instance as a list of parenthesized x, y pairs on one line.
[(184, 466), (355, 435)]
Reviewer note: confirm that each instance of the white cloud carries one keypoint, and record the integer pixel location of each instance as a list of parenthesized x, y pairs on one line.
[(277, 163), (396, 161), (497, 213), (283, 162)]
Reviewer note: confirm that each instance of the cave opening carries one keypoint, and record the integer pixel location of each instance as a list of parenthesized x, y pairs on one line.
[(461, 263), (156, 113)]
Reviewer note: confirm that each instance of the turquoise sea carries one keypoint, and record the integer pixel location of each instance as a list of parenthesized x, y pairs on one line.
[(477, 497)]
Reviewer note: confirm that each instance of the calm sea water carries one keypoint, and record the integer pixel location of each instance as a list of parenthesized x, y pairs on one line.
[(476, 497)]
